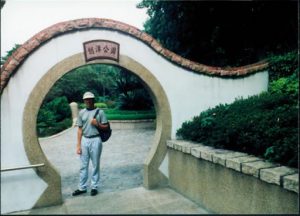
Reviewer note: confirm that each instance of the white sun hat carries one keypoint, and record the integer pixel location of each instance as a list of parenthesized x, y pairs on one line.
[(88, 95)]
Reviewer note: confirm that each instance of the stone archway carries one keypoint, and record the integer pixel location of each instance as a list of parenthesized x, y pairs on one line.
[(152, 176)]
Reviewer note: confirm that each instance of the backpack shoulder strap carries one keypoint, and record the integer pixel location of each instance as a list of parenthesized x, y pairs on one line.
[(96, 112)]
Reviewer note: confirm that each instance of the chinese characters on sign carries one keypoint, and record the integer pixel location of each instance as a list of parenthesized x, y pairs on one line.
[(101, 49)]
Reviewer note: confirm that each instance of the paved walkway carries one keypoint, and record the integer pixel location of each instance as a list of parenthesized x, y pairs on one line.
[(121, 178), (131, 201), (121, 163)]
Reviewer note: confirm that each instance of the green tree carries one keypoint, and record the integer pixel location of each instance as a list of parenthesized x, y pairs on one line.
[(9, 53), (96, 78), (2, 3), (132, 95), (107, 82), (283, 65), (223, 33)]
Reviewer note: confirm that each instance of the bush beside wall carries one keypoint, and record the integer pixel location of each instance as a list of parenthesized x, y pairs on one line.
[(264, 125)]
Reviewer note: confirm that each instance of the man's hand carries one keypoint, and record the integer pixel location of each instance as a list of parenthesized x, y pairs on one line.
[(78, 150), (101, 126), (94, 122)]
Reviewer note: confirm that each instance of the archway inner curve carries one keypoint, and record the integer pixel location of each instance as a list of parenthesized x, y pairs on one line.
[(152, 176)]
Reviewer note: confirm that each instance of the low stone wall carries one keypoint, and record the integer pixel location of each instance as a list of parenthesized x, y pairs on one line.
[(133, 124), (231, 182)]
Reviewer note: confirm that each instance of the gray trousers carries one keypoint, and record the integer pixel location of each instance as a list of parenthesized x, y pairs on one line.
[(91, 149)]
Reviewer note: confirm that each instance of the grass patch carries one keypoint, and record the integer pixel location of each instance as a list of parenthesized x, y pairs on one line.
[(114, 114)]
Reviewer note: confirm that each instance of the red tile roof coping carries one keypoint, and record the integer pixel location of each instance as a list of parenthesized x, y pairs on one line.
[(12, 63)]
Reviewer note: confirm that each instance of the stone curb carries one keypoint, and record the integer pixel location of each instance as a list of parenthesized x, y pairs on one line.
[(290, 182), (276, 175), (254, 168), (272, 173), (236, 163)]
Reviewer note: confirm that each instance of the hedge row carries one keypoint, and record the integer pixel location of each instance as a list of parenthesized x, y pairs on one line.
[(264, 125)]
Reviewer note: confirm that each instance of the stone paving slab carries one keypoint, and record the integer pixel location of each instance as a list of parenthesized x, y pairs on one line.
[(253, 168), (222, 156), (236, 163), (219, 156), (182, 145), (213, 155), (132, 201), (291, 182), (199, 152), (274, 175), (187, 147)]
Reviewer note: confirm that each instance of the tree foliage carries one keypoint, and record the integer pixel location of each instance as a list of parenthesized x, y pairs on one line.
[(283, 65), (108, 83), (223, 33), (96, 78), (9, 53), (54, 117), (132, 93)]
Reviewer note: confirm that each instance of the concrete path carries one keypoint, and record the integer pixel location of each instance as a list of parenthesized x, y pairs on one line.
[(132, 201), (120, 190), (121, 163)]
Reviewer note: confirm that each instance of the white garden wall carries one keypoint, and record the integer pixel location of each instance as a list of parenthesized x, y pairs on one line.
[(188, 93)]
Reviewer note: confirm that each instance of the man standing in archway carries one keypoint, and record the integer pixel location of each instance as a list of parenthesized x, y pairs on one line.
[(89, 143)]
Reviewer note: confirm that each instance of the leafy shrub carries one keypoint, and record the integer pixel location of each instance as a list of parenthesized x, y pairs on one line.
[(265, 125), (135, 100), (54, 117), (286, 85), (111, 104), (98, 105), (54, 129), (283, 65), (60, 107), (101, 105)]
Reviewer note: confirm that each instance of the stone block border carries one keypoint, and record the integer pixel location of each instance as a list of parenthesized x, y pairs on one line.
[(272, 173)]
